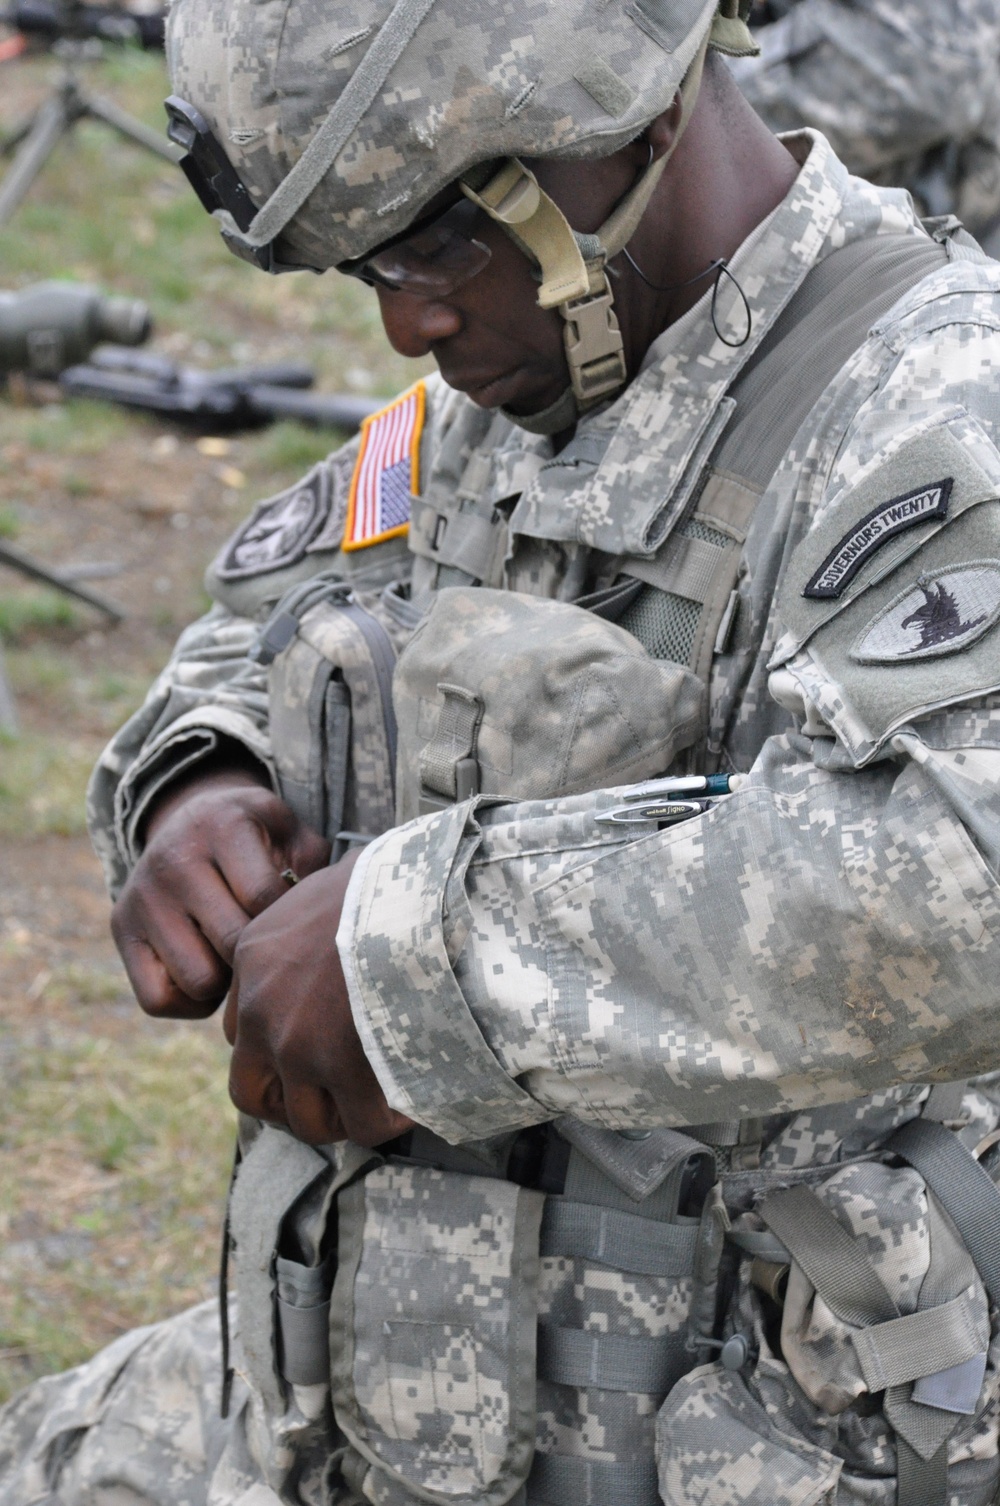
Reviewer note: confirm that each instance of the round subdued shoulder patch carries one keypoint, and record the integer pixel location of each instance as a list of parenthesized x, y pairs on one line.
[(278, 531)]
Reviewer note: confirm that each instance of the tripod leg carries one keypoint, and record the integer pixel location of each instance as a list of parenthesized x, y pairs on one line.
[(26, 564), (49, 126), (14, 137), (126, 125), (8, 711)]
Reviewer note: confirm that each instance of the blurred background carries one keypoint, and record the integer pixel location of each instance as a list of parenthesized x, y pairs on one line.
[(115, 1132)]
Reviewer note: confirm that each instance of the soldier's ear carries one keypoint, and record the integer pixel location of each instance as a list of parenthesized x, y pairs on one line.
[(661, 133)]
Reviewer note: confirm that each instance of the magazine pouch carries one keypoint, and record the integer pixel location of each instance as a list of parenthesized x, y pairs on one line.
[(869, 1347), (332, 652), (525, 698), (433, 1335)]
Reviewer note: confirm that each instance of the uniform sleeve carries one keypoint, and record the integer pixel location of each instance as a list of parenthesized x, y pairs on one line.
[(210, 690), (883, 82), (830, 929)]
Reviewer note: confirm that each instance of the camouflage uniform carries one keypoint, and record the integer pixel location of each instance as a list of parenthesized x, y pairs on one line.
[(906, 95), (825, 933)]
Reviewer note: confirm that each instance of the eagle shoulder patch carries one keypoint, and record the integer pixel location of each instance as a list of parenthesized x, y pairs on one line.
[(387, 472), (941, 613)]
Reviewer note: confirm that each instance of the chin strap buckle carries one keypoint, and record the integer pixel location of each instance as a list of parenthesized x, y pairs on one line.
[(594, 350)]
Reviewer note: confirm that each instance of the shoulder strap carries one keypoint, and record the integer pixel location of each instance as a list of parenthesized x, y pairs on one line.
[(821, 326), (688, 607)]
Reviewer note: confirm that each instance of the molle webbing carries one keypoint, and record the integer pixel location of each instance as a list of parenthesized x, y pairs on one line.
[(688, 610)]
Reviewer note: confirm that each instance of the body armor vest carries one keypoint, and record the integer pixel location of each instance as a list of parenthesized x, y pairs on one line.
[(571, 1315)]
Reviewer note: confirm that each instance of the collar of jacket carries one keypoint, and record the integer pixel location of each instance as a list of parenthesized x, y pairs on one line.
[(623, 481)]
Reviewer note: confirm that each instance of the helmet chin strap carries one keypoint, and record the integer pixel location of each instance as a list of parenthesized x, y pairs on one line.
[(573, 268)]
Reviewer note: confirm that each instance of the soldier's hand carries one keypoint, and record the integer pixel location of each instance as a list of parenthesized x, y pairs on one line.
[(215, 852), (297, 1059)]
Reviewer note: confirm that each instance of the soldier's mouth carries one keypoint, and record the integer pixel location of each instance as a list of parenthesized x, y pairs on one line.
[(486, 391)]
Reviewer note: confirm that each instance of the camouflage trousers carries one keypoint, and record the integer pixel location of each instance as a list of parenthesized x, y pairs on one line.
[(138, 1425)]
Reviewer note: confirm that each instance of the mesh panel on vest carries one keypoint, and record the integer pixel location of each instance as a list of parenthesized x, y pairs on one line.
[(695, 529), (664, 624)]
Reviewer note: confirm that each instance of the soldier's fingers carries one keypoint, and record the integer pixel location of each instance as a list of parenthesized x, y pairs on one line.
[(255, 1087), (155, 990), (308, 851), (373, 1123), (220, 918), (311, 1113), (188, 956), (253, 868)]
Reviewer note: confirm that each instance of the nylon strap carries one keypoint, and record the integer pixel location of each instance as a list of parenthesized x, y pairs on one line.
[(534, 221), (966, 1192), (329, 141), (625, 1241), (822, 324), (921, 1482), (837, 1268), (920, 1343), (564, 1480), (610, 1362)]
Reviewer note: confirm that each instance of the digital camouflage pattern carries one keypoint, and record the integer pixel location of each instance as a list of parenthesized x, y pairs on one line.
[(785, 1429), (475, 83), (538, 697), (696, 973), (433, 1329), (906, 94), (826, 933), (138, 1424)]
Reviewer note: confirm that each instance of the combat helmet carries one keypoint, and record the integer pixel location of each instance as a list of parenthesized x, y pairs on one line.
[(318, 131)]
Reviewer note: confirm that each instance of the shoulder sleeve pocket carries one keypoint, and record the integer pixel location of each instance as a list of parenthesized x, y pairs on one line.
[(890, 606)]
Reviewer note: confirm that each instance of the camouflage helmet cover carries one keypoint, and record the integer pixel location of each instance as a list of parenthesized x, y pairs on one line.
[(473, 83)]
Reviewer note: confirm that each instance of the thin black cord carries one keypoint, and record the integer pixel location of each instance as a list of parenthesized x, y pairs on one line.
[(721, 268)]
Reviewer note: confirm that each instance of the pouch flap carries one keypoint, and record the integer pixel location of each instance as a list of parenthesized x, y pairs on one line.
[(433, 1331), (566, 701), (715, 1444), (637, 1166), (272, 1175)]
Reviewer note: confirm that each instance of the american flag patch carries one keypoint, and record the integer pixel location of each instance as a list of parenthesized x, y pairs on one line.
[(387, 473)]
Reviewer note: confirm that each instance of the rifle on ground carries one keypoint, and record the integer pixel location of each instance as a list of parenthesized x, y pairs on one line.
[(50, 21), (235, 398)]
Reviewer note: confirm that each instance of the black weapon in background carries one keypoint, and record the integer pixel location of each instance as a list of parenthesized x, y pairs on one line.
[(237, 398), (50, 21)]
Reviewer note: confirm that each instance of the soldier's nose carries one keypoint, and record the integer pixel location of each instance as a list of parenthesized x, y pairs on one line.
[(415, 325)]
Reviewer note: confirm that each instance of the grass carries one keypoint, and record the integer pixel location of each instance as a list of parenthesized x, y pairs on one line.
[(113, 1165), (116, 1132), (41, 785)]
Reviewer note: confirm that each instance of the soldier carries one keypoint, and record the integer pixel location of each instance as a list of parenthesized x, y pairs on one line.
[(639, 674), (905, 95)]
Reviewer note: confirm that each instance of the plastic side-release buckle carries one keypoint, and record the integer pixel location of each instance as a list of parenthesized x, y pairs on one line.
[(594, 349), (275, 637)]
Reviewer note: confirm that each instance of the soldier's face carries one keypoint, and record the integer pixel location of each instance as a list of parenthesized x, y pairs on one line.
[(489, 337)]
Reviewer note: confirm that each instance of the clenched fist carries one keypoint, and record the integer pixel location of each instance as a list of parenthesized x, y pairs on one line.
[(216, 849), (297, 1058)]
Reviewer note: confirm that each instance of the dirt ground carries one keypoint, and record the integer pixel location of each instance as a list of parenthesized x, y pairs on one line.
[(116, 1132)]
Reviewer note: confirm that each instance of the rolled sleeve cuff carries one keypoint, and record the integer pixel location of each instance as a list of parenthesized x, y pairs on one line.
[(188, 741), (418, 1033)]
